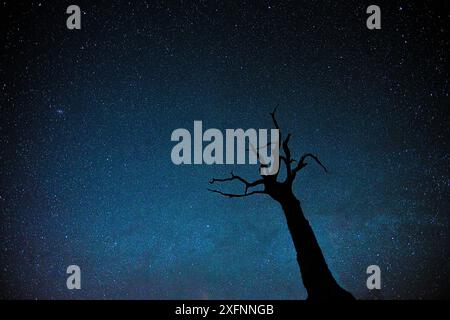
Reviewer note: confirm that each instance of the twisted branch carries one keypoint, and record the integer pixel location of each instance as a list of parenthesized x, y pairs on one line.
[(235, 177)]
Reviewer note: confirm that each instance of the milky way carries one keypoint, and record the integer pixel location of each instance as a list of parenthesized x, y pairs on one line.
[(86, 120)]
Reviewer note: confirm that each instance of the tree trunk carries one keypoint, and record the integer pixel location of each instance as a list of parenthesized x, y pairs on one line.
[(317, 278)]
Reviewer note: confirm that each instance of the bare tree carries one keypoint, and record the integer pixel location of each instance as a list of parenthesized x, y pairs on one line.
[(317, 278)]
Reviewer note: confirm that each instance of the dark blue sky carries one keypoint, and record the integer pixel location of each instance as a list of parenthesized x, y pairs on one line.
[(86, 119)]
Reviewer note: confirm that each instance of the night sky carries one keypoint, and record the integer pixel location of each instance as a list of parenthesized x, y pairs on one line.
[(86, 120)]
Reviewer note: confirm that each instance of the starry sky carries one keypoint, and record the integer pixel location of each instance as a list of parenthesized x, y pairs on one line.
[(86, 174)]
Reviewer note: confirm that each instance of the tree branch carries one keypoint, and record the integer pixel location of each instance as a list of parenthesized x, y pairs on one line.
[(258, 156), (233, 195), (287, 152), (272, 114), (301, 163), (235, 177), (287, 159)]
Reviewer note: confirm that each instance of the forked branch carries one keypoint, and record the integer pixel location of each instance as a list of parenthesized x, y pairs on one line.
[(301, 163), (233, 195), (291, 169), (287, 159), (244, 181)]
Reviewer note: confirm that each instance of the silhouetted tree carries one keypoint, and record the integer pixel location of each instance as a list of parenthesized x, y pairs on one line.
[(317, 278)]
